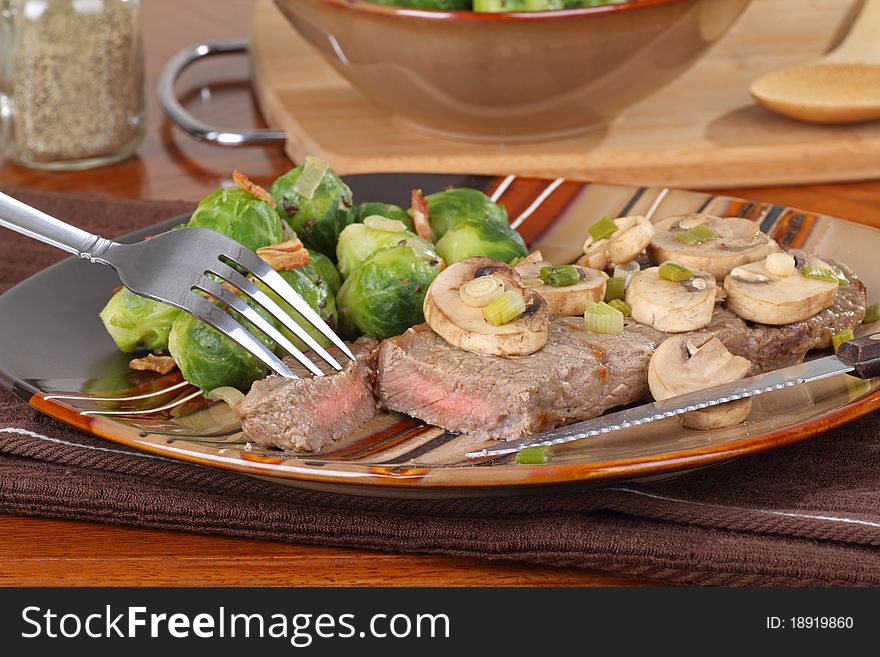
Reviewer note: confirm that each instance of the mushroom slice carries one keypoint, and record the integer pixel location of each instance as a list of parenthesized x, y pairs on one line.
[(465, 327), (570, 300), (737, 242), (672, 306), (755, 294), (633, 234), (680, 366)]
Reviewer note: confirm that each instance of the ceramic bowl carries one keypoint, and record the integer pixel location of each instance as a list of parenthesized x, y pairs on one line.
[(515, 76)]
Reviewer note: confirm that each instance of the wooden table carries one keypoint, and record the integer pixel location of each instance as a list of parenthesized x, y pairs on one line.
[(170, 165)]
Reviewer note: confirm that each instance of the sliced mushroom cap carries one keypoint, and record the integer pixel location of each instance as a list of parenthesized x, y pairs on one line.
[(757, 295), (680, 366), (570, 300), (739, 241), (465, 326), (633, 234), (673, 307)]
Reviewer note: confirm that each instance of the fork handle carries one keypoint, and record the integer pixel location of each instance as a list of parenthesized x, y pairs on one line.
[(29, 221)]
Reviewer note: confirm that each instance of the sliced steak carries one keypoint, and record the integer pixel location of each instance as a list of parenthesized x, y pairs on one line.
[(307, 413), (577, 375)]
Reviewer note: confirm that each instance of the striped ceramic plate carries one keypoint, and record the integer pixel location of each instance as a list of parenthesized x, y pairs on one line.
[(57, 357)]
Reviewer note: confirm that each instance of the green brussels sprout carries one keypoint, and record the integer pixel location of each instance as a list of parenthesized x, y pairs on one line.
[(496, 6), (384, 295), (481, 238), (326, 269), (240, 215), (317, 220), (387, 210), (136, 322), (209, 360), (454, 206), (445, 5), (316, 292), (358, 241)]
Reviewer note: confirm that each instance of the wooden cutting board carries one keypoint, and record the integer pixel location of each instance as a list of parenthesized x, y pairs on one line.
[(703, 130)]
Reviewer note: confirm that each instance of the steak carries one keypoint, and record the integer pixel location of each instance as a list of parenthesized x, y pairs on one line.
[(577, 375), (308, 413)]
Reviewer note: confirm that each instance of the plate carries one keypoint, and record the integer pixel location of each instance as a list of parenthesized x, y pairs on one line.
[(56, 356)]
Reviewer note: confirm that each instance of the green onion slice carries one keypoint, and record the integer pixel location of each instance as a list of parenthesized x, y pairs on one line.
[(561, 276), (622, 306), (535, 455), (313, 172), (615, 288), (820, 273), (481, 291), (872, 314), (840, 338), (505, 308), (687, 237), (672, 271), (841, 277), (603, 318), (602, 229)]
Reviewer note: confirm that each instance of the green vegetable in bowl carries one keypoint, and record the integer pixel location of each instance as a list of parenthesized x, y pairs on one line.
[(497, 6), (384, 295), (388, 210), (358, 241), (455, 206), (481, 238), (240, 215), (315, 290), (326, 269), (317, 218), (136, 322), (446, 5), (208, 359)]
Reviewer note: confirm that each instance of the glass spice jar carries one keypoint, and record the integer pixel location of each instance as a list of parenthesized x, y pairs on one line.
[(71, 82)]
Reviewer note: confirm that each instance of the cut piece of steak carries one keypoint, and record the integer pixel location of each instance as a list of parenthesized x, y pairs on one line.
[(577, 375), (308, 413)]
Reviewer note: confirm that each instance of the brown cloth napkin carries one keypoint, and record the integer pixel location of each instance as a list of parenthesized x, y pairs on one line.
[(807, 514)]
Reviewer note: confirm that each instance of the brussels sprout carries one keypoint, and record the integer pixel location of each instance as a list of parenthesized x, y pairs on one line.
[(445, 5), (240, 215), (388, 210), (317, 220), (454, 206), (209, 359), (384, 295), (134, 321), (358, 241), (481, 238), (327, 270), (316, 292), (494, 6)]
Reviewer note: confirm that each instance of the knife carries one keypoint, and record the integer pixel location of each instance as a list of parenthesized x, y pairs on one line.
[(860, 357)]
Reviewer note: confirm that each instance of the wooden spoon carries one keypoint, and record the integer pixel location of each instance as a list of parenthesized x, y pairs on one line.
[(841, 87)]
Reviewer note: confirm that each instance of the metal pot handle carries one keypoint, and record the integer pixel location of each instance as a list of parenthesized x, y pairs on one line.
[(199, 129)]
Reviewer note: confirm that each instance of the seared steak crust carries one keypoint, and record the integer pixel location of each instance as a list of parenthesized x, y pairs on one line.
[(308, 413)]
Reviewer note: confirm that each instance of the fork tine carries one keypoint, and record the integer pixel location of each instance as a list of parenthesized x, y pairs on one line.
[(231, 276), (277, 284), (214, 317), (218, 292)]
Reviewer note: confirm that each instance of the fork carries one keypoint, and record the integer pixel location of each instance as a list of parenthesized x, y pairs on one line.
[(179, 268)]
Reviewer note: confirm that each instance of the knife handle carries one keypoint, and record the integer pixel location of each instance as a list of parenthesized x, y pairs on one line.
[(863, 354)]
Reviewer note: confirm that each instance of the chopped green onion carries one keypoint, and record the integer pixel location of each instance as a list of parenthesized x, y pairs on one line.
[(820, 274), (872, 314), (481, 291), (615, 288), (561, 276), (622, 306), (535, 455), (840, 338), (841, 277), (602, 318), (313, 172), (627, 271), (672, 271), (504, 308), (602, 229), (696, 235), (687, 237)]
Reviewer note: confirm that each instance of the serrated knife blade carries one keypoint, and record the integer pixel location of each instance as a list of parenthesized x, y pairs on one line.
[(814, 370)]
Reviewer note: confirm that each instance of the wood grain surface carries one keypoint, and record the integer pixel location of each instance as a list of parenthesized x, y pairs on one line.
[(169, 165)]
